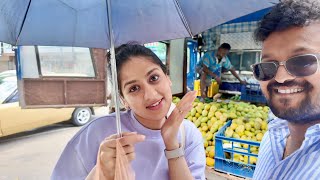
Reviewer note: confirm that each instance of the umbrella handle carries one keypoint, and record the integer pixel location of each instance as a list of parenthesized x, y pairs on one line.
[(115, 94)]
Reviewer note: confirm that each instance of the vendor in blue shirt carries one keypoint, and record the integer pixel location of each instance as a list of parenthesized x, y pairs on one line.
[(212, 65)]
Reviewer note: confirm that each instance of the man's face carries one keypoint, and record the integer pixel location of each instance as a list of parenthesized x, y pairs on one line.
[(222, 53), (296, 107)]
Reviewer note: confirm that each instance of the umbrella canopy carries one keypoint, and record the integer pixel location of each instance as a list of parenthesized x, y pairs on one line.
[(109, 23), (84, 23)]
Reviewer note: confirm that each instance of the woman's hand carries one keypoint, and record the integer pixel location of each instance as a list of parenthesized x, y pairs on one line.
[(170, 128), (108, 151)]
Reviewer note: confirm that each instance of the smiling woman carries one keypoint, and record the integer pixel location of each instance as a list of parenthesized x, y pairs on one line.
[(145, 78), (154, 142)]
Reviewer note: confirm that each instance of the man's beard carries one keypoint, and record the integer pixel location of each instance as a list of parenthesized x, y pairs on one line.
[(305, 113)]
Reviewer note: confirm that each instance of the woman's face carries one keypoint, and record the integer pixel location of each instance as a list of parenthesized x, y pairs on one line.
[(146, 89)]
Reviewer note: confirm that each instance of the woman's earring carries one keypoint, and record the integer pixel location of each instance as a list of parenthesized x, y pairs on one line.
[(126, 105)]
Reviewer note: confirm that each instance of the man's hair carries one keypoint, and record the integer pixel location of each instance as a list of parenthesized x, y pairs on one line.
[(225, 46), (287, 14)]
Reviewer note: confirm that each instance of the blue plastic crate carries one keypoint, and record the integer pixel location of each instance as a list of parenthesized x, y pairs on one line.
[(227, 164), (252, 93), (230, 86)]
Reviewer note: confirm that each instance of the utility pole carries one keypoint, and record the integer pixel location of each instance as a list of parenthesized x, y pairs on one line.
[(1, 47)]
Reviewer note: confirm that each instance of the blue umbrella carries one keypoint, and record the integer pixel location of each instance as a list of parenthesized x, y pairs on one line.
[(109, 23), (84, 23)]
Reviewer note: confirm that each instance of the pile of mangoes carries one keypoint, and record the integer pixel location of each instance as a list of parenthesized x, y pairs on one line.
[(249, 122)]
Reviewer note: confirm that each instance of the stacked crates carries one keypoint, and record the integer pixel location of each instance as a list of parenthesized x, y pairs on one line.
[(227, 151), (213, 89), (252, 93), (197, 87)]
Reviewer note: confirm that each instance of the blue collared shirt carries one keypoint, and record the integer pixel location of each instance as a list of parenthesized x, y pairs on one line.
[(304, 163), (211, 61)]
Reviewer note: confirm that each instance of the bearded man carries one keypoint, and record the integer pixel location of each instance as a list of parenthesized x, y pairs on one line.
[(289, 77)]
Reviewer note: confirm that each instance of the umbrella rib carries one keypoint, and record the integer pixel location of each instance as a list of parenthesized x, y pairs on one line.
[(22, 24), (183, 19)]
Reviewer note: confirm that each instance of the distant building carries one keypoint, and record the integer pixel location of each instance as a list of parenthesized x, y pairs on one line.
[(7, 61)]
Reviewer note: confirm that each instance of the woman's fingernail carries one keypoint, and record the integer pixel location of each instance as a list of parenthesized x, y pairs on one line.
[(128, 133), (142, 137)]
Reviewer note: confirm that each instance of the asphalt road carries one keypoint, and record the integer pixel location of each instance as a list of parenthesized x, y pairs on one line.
[(32, 155)]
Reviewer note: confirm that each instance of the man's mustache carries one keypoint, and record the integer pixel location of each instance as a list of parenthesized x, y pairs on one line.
[(289, 83)]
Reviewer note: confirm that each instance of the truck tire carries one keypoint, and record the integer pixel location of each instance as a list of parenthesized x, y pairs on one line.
[(81, 116)]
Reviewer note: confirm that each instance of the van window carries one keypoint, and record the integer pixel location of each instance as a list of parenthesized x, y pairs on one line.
[(241, 60), (6, 89), (248, 59), (65, 61), (13, 98)]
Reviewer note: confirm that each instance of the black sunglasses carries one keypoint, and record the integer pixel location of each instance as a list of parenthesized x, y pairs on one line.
[(299, 66)]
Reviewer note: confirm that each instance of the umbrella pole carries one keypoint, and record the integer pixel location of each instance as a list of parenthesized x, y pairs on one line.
[(115, 94)]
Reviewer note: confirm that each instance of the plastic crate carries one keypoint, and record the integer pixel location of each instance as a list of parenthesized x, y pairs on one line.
[(252, 93), (230, 86), (227, 164)]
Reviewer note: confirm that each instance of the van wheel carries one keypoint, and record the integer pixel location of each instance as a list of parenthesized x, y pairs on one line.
[(81, 116)]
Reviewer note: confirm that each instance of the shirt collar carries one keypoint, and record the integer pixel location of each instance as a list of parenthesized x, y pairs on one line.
[(222, 60), (278, 124)]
